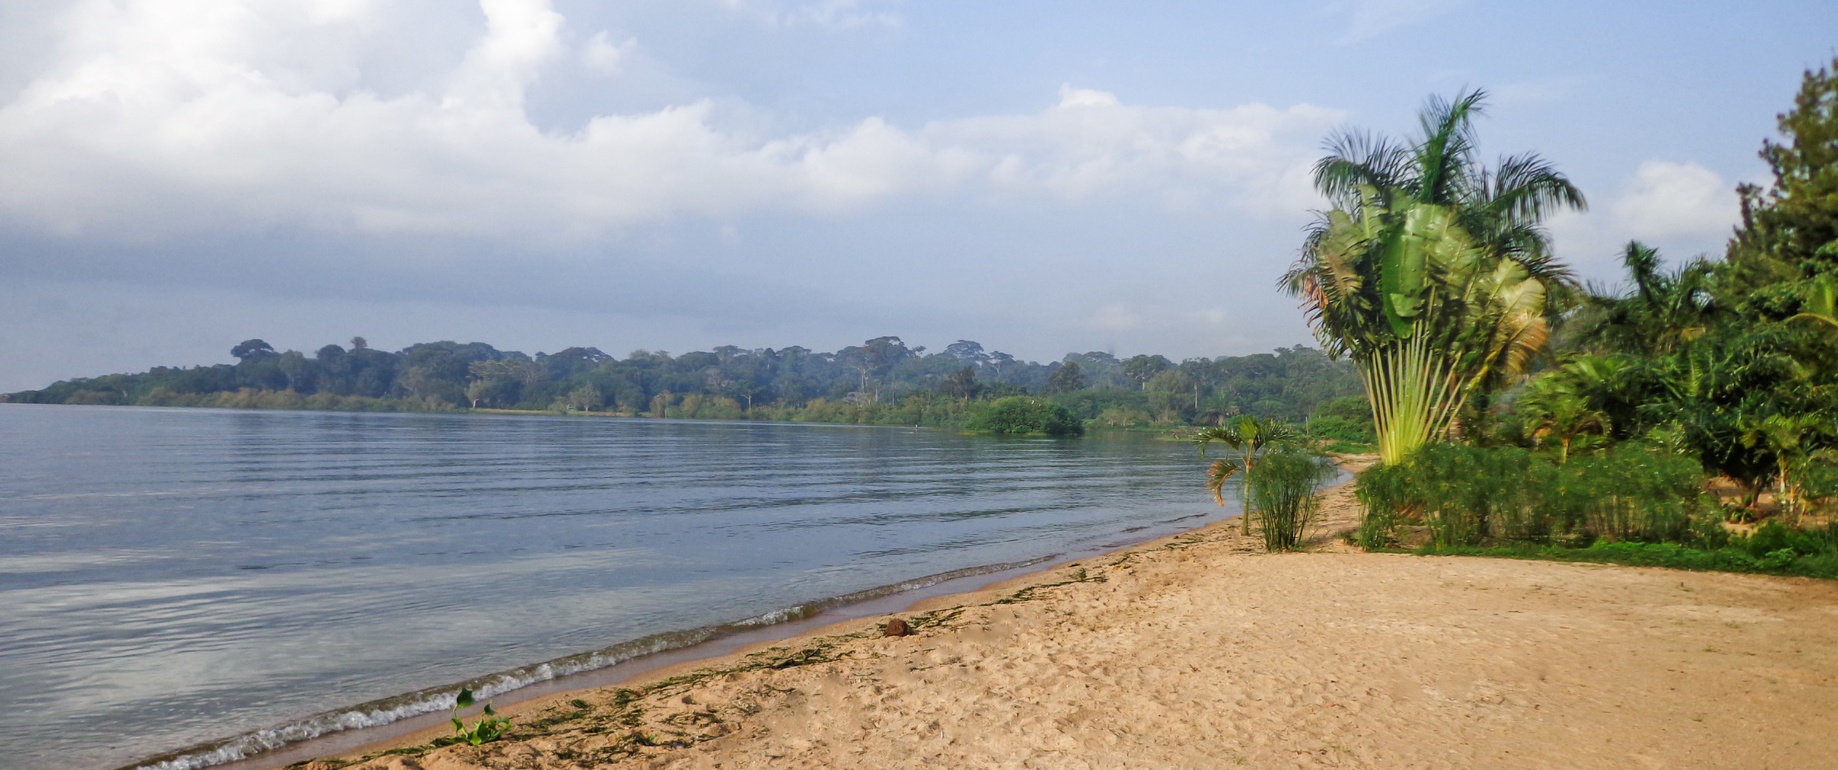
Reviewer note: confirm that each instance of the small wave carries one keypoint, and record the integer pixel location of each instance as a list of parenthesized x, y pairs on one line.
[(1185, 518), (382, 712)]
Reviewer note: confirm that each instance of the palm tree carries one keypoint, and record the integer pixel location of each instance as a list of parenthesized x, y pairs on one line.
[(1246, 436), (1664, 310), (1786, 437), (1554, 410), (1431, 271)]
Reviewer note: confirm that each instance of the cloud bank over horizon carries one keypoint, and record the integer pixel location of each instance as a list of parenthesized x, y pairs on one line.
[(674, 175)]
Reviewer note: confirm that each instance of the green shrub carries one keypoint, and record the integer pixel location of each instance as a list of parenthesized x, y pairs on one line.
[(1347, 419), (1283, 495), (1466, 495), (1023, 415)]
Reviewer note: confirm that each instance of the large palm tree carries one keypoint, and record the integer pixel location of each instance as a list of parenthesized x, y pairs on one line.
[(1431, 271)]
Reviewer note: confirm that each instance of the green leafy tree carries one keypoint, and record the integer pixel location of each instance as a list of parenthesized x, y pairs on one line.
[(960, 384), (252, 350), (1791, 229), (1284, 497), (1663, 310), (1142, 368), (1821, 306), (1431, 271), (1067, 378), (1791, 439)]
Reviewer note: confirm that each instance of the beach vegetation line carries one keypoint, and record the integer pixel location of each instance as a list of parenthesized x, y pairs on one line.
[(1688, 417)]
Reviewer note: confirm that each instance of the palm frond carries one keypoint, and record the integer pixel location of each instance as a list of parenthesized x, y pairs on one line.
[(1444, 154), (1527, 188), (1359, 159), (1218, 474)]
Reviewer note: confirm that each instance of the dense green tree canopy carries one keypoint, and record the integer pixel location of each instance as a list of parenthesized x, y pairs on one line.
[(882, 380)]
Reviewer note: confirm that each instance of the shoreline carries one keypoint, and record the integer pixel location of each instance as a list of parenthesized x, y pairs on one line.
[(729, 640), (719, 652), (1152, 433), (1194, 649), (715, 653)]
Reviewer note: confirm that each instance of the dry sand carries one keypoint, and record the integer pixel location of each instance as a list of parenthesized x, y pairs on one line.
[(1198, 652)]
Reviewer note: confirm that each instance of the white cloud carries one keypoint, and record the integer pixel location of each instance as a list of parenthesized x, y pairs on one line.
[(1684, 209), (832, 14), (1216, 316), (1085, 97), (1666, 200), (165, 117), (521, 36), (603, 56), (1373, 18)]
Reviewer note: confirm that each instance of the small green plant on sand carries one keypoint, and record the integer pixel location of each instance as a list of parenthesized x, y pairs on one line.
[(1284, 495), (490, 726)]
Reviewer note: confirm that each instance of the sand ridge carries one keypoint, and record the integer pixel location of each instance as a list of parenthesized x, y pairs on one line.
[(1198, 652)]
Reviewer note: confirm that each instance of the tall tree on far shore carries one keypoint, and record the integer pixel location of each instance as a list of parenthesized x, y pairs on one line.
[(1432, 271), (1067, 378)]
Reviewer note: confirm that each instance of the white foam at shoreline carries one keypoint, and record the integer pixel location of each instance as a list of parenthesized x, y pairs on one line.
[(384, 712)]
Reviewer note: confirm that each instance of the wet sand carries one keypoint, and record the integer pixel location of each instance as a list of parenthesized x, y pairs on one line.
[(1199, 651)]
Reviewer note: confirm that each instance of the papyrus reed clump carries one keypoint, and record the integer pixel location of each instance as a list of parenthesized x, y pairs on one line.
[(1465, 495), (1284, 495)]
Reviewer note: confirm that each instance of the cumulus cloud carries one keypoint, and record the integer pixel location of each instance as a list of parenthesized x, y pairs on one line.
[(1684, 209), (605, 57), (1667, 199), (165, 117)]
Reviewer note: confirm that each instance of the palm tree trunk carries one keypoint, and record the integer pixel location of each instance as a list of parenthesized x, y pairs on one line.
[(1414, 395), (1244, 493)]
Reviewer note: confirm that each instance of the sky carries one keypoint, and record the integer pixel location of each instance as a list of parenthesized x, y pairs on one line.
[(177, 176)]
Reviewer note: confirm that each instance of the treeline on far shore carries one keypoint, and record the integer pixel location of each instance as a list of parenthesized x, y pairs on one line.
[(880, 382)]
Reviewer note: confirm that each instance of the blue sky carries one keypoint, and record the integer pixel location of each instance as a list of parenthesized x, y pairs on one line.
[(179, 175)]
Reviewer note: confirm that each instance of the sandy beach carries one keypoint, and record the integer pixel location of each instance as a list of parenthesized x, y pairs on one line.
[(1197, 651)]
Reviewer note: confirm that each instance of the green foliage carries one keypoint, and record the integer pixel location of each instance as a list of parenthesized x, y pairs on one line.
[(1734, 361), (488, 728), (1067, 378), (1467, 495), (1021, 416), (1283, 495), (1794, 224), (1247, 437), (1431, 271), (1346, 419), (881, 382)]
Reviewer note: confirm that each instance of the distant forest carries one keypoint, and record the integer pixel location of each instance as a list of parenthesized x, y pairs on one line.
[(881, 381)]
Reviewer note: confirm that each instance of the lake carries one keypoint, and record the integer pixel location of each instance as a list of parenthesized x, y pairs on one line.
[(172, 577)]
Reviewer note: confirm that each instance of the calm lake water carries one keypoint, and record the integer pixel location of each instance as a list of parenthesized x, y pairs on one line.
[(173, 577)]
